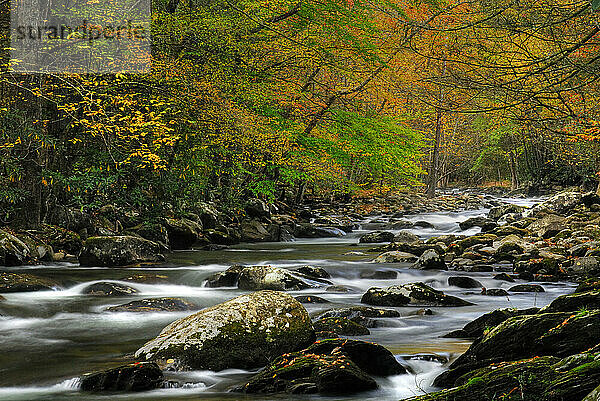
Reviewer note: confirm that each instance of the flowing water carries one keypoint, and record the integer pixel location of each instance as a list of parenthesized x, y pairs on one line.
[(48, 338)]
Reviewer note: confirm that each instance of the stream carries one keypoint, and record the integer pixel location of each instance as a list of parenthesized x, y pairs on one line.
[(49, 338)]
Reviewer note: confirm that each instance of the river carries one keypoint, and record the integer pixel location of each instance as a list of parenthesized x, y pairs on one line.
[(49, 338)]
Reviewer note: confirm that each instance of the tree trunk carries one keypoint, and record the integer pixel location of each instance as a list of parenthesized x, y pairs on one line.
[(435, 160), (434, 172), (514, 178)]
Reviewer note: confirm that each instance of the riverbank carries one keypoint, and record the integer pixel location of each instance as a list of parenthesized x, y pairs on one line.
[(413, 327)]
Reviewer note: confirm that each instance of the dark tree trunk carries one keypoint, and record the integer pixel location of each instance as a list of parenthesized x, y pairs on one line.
[(435, 160)]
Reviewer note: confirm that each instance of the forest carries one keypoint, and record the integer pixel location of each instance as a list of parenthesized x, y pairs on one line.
[(283, 99), (300, 199)]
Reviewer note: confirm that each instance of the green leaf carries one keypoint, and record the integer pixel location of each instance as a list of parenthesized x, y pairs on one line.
[(595, 4)]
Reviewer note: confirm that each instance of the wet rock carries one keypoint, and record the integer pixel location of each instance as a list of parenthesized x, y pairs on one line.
[(526, 288), (256, 278), (108, 289), (328, 367), (153, 232), (13, 251), (413, 294), (244, 332), (423, 224), (464, 282), (22, 282), (401, 224), (227, 278), (574, 302), (404, 237), (586, 266), (482, 222), (60, 239), (497, 212), (304, 373), (488, 321), (379, 275), (222, 236), (257, 208), (363, 315), (183, 233), (154, 305), (481, 239), (314, 272), (342, 289), (581, 250), (548, 226), (589, 284), (377, 237), (557, 334), (133, 377), (119, 251), (538, 379), (504, 231), (395, 257), (504, 277), (559, 203), (511, 243), (311, 299), (429, 260), (494, 292), (307, 230), (255, 231), (340, 326)]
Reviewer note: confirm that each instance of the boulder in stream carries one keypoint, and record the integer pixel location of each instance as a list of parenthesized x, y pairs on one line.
[(340, 326), (464, 282), (429, 260), (395, 257), (154, 305), (377, 237), (544, 378), (244, 332), (413, 293), (328, 367), (23, 282), (109, 289), (119, 251), (140, 376), (557, 334)]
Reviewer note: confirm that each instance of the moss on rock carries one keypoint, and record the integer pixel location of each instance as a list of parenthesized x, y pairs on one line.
[(244, 332)]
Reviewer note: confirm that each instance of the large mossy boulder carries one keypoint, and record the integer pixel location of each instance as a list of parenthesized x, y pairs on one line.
[(328, 367), (183, 233), (119, 251), (255, 231), (244, 332), (429, 260), (133, 377), (557, 334), (13, 251), (418, 294), (575, 302), (560, 203), (538, 379), (488, 321), (255, 278), (23, 282)]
